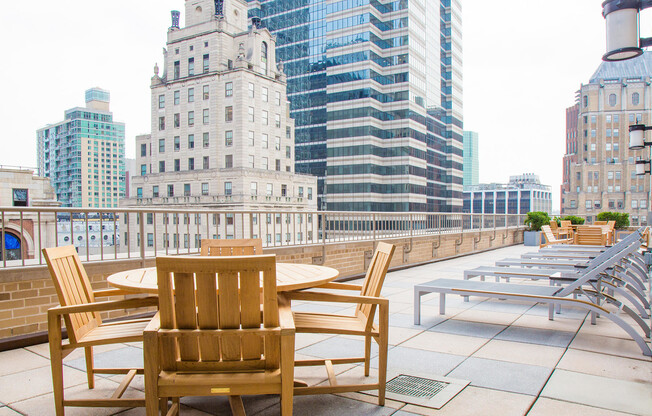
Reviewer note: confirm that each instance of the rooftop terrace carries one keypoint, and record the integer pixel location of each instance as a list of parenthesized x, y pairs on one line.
[(516, 360)]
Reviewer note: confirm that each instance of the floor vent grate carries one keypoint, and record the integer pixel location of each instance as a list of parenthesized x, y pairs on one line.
[(424, 391)]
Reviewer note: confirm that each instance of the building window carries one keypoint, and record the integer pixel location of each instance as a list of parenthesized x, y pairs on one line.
[(205, 163), (155, 191), (265, 163), (228, 188), (228, 89), (284, 190), (252, 161), (206, 116), (228, 114), (177, 97), (143, 150), (277, 121), (191, 118), (251, 90), (186, 189), (177, 143), (161, 166), (228, 161), (636, 98), (161, 123), (170, 190), (251, 114), (270, 189), (191, 141), (634, 204), (161, 145), (278, 165), (177, 120), (177, 165), (191, 163), (277, 143), (251, 138), (277, 97), (206, 140), (310, 193), (253, 187), (206, 92), (143, 170), (612, 100), (616, 133), (206, 63), (288, 152), (228, 138), (191, 95), (263, 57), (265, 94), (265, 118), (161, 101), (204, 188), (150, 240), (191, 67), (177, 69), (265, 141), (586, 101)]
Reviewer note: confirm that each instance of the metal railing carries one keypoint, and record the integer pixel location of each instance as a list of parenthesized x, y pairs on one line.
[(142, 233)]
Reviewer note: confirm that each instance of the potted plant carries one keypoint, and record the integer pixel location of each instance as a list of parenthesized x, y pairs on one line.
[(534, 220)]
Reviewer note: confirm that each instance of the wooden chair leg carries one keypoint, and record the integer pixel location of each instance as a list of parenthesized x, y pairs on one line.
[(367, 354), (237, 407), (287, 375), (89, 367), (153, 404), (56, 361), (383, 343)]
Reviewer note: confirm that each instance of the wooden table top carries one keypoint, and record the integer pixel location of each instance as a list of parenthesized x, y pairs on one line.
[(289, 276)]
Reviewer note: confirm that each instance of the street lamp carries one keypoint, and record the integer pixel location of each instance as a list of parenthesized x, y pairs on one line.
[(623, 34), (637, 136)]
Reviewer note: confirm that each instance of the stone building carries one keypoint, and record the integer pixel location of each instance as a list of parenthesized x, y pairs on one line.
[(221, 134), (603, 176), (23, 236)]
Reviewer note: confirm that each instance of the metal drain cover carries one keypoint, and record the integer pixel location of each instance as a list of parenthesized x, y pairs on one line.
[(424, 391)]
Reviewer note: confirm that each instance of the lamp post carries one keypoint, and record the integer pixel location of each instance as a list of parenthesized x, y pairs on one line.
[(643, 167), (623, 31)]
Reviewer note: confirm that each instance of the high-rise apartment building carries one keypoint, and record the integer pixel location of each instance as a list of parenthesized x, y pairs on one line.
[(471, 159), (376, 94), (523, 193), (221, 132), (603, 177), (84, 155)]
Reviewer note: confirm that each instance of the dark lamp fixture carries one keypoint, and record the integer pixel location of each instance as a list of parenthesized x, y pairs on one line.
[(637, 136), (623, 33), (641, 165)]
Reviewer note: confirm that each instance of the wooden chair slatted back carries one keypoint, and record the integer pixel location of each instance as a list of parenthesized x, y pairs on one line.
[(237, 247), (73, 288), (611, 224), (218, 293), (374, 279), (553, 225), (600, 223), (590, 235), (547, 232), (565, 224)]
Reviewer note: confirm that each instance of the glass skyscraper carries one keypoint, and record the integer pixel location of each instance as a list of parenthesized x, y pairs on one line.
[(376, 93)]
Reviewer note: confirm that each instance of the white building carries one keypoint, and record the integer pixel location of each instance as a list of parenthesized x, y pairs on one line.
[(523, 193)]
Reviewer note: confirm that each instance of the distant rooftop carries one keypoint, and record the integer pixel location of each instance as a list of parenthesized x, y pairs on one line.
[(639, 67)]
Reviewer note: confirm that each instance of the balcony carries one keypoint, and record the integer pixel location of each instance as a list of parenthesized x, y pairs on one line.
[(516, 361)]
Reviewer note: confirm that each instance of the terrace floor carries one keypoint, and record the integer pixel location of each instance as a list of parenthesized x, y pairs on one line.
[(516, 360)]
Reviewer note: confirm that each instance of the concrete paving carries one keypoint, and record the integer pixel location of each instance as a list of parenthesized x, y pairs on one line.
[(516, 360)]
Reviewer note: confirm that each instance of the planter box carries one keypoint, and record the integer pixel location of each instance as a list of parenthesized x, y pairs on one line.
[(532, 238)]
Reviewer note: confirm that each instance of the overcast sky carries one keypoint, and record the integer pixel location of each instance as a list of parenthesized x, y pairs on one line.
[(523, 62)]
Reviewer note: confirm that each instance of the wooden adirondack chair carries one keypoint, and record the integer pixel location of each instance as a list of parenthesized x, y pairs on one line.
[(81, 314), (205, 342), (566, 227), (236, 247), (361, 324), (550, 238)]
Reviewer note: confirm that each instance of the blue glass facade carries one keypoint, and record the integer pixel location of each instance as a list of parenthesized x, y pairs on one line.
[(375, 91)]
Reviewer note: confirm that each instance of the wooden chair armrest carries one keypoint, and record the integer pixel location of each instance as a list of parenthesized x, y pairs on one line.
[(105, 306), (339, 286), (331, 297), (111, 292), (155, 324), (285, 317)]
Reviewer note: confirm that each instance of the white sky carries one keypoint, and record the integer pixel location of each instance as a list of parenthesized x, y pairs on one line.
[(523, 62)]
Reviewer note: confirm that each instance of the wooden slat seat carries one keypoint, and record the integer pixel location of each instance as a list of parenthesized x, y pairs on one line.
[(81, 314)]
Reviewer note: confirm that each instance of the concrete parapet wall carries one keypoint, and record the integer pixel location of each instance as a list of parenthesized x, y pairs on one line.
[(27, 293)]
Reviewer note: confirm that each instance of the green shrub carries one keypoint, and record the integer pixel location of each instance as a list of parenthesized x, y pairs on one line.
[(622, 219), (535, 220), (574, 219)]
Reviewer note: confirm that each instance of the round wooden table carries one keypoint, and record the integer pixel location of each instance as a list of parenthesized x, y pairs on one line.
[(289, 276)]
